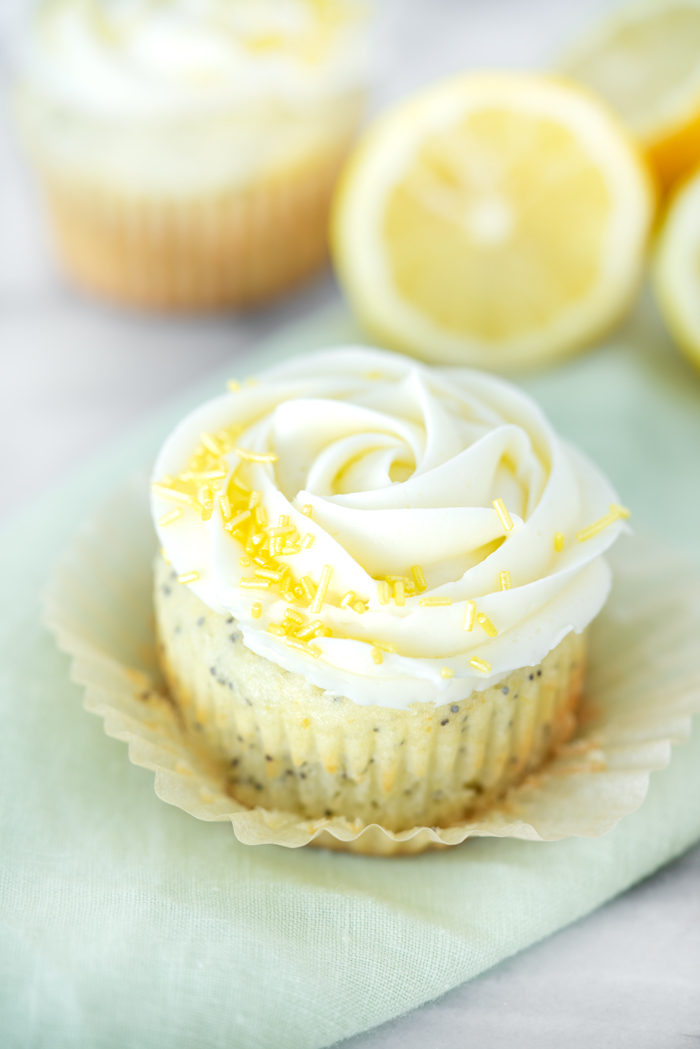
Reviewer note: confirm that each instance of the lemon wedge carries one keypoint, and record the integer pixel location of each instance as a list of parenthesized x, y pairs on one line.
[(645, 61), (677, 268), (497, 220)]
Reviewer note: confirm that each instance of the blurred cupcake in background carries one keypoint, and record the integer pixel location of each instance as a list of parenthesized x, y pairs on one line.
[(189, 148)]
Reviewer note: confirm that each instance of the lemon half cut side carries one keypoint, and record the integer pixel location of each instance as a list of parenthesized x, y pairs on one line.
[(677, 268), (497, 220), (645, 61)]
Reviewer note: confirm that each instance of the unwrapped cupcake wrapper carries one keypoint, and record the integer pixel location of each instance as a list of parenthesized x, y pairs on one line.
[(642, 687), (235, 247)]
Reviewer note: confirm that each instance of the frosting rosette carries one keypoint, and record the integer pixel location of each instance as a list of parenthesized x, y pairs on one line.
[(393, 532)]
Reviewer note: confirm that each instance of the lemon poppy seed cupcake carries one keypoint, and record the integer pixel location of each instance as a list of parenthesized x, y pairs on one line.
[(375, 585), (189, 148)]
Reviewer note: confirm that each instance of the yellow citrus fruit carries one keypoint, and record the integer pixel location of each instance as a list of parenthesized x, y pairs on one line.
[(645, 61), (497, 220), (677, 268)]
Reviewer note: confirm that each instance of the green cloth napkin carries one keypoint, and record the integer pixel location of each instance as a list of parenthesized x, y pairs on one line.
[(126, 923)]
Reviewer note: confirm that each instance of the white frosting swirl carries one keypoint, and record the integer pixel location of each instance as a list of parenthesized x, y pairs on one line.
[(135, 59), (401, 464)]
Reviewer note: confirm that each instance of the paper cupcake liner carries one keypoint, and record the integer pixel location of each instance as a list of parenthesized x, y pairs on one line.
[(286, 744), (642, 687), (230, 248)]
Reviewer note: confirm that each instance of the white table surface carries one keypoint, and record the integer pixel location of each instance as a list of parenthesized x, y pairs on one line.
[(77, 374)]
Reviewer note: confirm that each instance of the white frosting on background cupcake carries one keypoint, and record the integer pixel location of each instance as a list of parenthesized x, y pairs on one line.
[(390, 466), (190, 97), (136, 60)]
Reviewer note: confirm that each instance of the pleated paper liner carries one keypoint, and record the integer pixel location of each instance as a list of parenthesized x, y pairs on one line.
[(642, 688), (237, 248)]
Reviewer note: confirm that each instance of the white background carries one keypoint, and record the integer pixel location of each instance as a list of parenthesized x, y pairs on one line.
[(76, 375)]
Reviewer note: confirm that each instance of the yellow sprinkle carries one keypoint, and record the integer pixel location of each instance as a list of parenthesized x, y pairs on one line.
[(384, 592), (559, 542), (470, 616), (260, 516), (500, 508), (211, 444), (308, 541), (360, 607), (255, 457), (279, 545), (296, 617), (249, 583), (505, 579), (258, 538), (283, 521), (434, 602), (597, 526), (281, 530), (621, 511), (308, 587), (313, 629), (447, 672), (377, 655), (188, 577), (418, 578), (164, 555), (311, 649), (256, 610), (322, 589), (347, 599), (174, 493), (399, 596), (286, 550), (167, 519), (233, 385), (254, 500), (480, 664), (384, 645), (245, 562), (275, 575), (486, 624), (277, 630), (306, 509), (225, 504), (238, 519)]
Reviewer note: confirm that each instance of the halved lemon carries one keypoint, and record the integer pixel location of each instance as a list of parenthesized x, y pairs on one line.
[(497, 220), (645, 61), (677, 268)]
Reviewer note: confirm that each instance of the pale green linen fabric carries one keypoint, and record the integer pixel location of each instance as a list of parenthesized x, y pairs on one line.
[(124, 922)]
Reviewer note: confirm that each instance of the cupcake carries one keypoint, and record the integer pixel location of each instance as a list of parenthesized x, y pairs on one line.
[(374, 586), (189, 148)]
